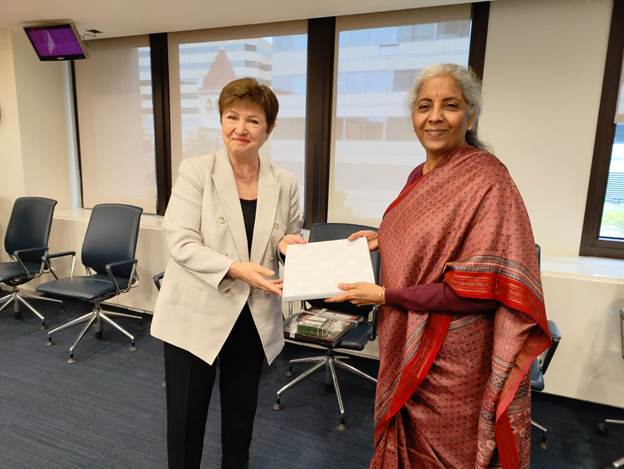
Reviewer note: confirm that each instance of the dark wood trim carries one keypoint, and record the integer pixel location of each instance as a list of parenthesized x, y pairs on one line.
[(480, 15), (159, 59), (591, 243), (319, 102), (76, 123)]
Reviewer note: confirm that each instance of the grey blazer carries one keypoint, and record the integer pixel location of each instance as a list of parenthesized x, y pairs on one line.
[(198, 305)]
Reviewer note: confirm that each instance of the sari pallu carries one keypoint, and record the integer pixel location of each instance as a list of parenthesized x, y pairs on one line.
[(453, 389)]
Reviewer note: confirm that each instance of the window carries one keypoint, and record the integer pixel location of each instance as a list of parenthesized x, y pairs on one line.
[(116, 123), (202, 62), (603, 229), (374, 146)]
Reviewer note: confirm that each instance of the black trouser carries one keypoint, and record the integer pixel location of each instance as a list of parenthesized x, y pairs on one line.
[(189, 385)]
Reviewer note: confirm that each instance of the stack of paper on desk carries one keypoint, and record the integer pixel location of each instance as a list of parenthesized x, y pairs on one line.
[(314, 270)]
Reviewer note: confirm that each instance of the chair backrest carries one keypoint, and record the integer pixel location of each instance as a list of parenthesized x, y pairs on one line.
[(332, 231), (111, 237), (29, 226)]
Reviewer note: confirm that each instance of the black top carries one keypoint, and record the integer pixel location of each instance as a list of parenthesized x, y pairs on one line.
[(249, 216)]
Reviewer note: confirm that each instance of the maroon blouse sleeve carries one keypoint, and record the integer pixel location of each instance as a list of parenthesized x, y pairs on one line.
[(436, 297)]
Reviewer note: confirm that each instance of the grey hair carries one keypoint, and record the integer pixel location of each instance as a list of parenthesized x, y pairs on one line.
[(468, 83)]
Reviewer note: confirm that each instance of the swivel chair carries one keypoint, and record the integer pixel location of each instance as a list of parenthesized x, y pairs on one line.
[(355, 339), (603, 427), (26, 240), (108, 255), (537, 371), (540, 365)]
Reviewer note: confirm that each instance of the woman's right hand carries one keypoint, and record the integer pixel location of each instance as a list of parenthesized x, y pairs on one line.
[(371, 237), (255, 275)]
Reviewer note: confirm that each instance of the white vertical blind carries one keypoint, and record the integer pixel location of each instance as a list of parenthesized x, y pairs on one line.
[(116, 123), (374, 146)]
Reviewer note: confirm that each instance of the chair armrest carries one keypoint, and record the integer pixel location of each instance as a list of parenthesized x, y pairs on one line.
[(373, 335), (58, 254), (46, 259), (112, 265), (17, 254), (158, 279), (556, 338)]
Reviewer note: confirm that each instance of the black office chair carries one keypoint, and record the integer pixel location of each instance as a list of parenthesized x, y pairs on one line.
[(603, 427), (540, 365), (538, 369), (355, 339), (108, 253), (26, 240)]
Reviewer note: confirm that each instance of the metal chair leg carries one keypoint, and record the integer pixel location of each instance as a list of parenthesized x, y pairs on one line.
[(355, 371), (32, 309), (544, 441), (80, 336), (6, 301), (341, 427), (132, 347)]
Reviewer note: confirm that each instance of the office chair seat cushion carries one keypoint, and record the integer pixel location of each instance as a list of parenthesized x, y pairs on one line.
[(88, 287), (537, 377), (14, 270), (357, 338)]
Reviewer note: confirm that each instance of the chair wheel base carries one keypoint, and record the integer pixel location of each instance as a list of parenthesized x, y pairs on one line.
[(50, 342), (289, 372), (602, 428), (341, 427), (98, 334), (71, 360), (277, 407), (43, 326), (543, 444), (132, 347)]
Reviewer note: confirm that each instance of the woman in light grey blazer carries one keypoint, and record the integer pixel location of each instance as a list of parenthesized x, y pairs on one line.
[(229, 214)]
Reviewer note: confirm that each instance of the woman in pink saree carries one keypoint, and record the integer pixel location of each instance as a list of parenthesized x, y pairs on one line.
[(462, 314)]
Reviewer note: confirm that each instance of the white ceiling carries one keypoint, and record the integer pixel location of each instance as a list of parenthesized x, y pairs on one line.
[(130, 17)]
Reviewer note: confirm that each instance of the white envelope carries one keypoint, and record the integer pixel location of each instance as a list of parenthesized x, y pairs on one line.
[(314, 270)]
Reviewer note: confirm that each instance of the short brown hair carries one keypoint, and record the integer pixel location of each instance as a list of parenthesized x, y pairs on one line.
[(246, 91)]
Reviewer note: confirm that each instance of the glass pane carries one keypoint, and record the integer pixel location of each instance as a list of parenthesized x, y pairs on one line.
[(612, 224), (375, 146), (116, 121), (279, 62)]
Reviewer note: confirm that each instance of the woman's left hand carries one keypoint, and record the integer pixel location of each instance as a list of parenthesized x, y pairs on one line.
[(359, 293), (289, 239)]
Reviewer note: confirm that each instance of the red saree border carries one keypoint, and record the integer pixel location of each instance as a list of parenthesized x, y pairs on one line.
[(518, 296), (417, 368), (495, 286)]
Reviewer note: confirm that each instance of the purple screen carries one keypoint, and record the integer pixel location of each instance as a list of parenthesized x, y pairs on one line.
[(55, 41)]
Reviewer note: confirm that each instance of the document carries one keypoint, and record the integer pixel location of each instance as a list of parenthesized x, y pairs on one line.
[(314, 270)]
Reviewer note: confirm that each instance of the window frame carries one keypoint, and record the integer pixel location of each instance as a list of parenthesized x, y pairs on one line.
[(591, 242)]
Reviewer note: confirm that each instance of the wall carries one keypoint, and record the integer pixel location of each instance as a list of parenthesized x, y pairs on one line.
[(35, 145), (542, 83), (12, 173)]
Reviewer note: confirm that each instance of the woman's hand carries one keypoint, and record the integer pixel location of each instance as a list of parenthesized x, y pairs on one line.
[(371, 237), (287, 240), (254, 274), (360, 293)]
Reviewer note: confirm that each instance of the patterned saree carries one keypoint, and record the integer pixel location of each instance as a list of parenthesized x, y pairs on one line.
[(453, 389)]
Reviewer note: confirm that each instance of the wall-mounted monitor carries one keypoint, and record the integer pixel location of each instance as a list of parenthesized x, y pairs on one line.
[(56, 41)]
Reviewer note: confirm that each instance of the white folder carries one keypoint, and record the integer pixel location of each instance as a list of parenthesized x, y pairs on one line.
[(314, 270)]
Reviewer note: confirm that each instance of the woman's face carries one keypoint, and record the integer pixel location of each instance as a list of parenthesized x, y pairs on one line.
[(244, 129), (440, 116)]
